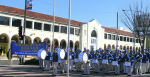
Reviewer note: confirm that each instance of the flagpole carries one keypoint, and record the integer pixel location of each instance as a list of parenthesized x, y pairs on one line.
[(68, 37), (117, 33), (53, 26)]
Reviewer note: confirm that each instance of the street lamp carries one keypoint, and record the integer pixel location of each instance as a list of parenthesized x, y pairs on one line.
[(134, 24)]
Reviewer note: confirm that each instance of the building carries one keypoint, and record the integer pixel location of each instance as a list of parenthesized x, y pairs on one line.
[(82, 34), (122, 28)]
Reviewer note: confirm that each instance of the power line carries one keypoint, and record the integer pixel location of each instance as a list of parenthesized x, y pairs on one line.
[(74, 9)]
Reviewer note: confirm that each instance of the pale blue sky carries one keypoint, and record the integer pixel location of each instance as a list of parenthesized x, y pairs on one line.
[(104, 11)]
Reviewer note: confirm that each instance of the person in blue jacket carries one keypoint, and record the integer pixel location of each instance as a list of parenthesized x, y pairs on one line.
[(76, 58), (131, 59), (108, 57), (111, 66), (96, 63), (138, 63), (87, 64), (121, 62), (147, 61), (47, 60), (65, 60), (84, 50), (55, 61), (92, 51), (79, 64), (118, 58), (126, 55), (72, 56), (99, 56), (144, 60)]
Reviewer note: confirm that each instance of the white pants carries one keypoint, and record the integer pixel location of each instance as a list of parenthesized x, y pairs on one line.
[(147, 66), (107, 68), (46, 64), (86, 68), (63, 65), (117, 69), (96, 67), (129, 70), (143, 68), (138, 66), (55, 64), (40, 63), (70, 64), (125, 68)]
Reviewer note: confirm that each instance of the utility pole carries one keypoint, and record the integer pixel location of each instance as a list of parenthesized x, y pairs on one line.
[(117, 33), (53, 27), (68, 38)]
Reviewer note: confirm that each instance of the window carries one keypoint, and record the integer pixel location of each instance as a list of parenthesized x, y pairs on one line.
[(37, 26), (113, 37), (63, 29), (29, 24), (4, 20), (124, 38), (130, 39), (47, 27), (71, 30), (56, 28), (93, 34), (127, 39), (16, 22), (109, 36), (121, 38), (105, 35), (77, 31)]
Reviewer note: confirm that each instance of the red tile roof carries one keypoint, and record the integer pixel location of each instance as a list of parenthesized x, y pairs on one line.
[(38, 15), (107, 29), (18, 11)]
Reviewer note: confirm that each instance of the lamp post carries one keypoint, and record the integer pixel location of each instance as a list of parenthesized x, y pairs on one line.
[(53, 27)]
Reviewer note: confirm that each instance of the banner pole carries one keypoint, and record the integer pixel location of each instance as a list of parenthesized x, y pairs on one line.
[(68, 37), (53, 27)]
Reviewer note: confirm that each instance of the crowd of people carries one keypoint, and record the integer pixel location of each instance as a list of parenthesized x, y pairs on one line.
[(118, 61)]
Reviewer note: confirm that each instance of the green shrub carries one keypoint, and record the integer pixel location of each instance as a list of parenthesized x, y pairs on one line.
[(32, 61)]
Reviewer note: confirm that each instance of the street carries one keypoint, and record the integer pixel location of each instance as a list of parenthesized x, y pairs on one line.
[(34, 71)]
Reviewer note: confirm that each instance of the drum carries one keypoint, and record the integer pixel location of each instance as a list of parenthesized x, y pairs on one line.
[(94, 61), (41, 54), (127, 64), (114, 62), (83, 57), (104, 61), (61, 54)]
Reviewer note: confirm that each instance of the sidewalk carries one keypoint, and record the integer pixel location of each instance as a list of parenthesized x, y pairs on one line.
[(4, 57)]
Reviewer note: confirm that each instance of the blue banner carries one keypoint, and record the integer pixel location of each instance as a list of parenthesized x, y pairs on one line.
[(29, 4), (27, 49)]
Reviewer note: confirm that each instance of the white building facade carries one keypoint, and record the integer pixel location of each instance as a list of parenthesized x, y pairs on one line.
[(39, 28)]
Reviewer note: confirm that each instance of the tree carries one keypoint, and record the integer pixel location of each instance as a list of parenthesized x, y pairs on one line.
[(137, 19)]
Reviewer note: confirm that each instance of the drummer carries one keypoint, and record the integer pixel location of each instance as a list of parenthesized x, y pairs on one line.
[(99, 55), (94, 57), (124, 60), (62, 64), (55, 61), (41, 63), (79, 64), (118, 58), (72, 56), (47, 60), (87, 64), (108, 57)]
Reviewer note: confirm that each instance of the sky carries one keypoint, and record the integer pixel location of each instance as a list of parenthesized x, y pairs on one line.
[(104, 11)]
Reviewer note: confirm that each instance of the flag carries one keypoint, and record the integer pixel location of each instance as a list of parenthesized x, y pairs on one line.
[(29, 4)]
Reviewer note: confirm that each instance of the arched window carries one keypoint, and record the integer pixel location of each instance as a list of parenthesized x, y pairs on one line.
[(93, 34)]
